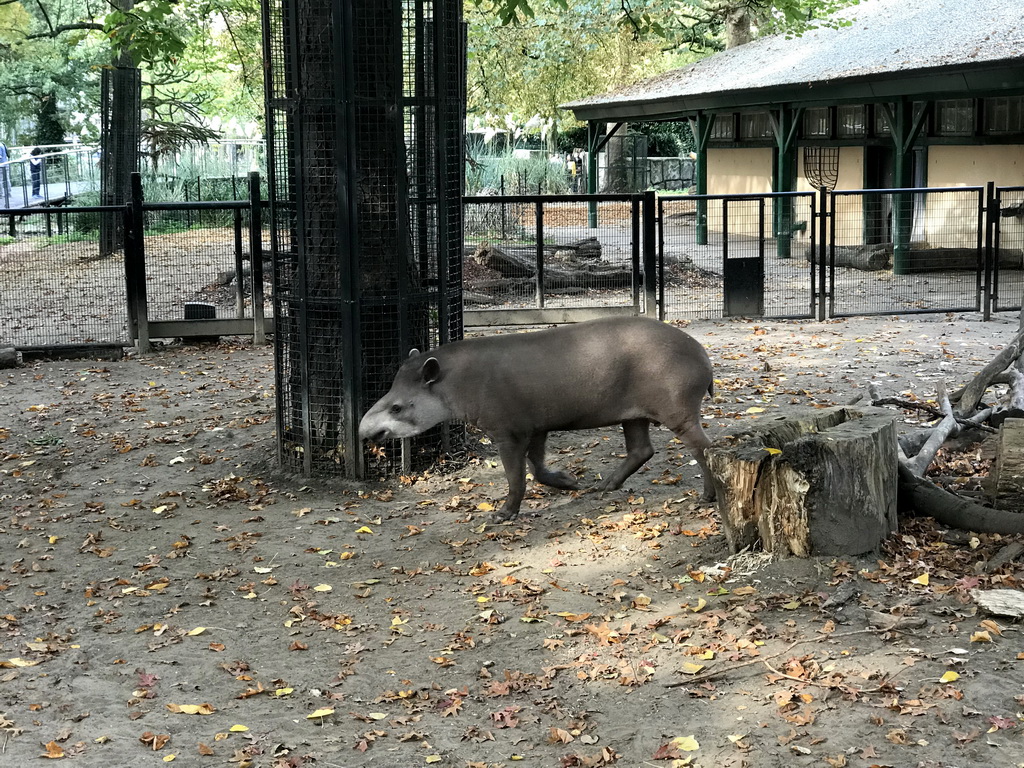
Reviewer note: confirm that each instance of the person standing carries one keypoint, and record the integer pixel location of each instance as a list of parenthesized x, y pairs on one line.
[(5, 176), (36, 166)]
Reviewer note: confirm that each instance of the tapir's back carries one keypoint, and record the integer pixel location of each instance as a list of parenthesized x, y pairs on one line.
[(579, 376)]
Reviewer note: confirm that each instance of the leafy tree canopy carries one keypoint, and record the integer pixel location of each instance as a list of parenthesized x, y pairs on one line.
[(526, 57)]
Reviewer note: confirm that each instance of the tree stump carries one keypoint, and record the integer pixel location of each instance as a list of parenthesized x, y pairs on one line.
[(812, 481), (1006, 481)]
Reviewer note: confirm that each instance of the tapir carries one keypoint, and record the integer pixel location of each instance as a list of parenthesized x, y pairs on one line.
[(518, 387)]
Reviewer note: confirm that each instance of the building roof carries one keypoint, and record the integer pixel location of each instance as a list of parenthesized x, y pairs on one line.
[(893, 48)]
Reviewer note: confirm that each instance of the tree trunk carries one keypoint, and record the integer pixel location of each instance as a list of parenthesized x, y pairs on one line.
[(738, 30), (521, 261), (120, 140), (815, 482), (616, 177)]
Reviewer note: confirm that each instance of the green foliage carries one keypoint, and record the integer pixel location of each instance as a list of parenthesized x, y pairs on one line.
[(150, 32), (68, 237), (520, 73), (49, 129), (517, 176), (528, 57), (677, 20), (666, 139)]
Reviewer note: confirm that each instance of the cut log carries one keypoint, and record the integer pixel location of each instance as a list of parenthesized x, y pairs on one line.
[(810, 482), (953, 259), (585, 278), (1001, 602), (521, 261), (864, 257), (1005, 487), (918, 259), (9, 357)]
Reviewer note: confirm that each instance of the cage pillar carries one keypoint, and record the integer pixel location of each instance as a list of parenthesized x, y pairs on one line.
[(905, 120), (785, 121), (365, 117), (700, 127)]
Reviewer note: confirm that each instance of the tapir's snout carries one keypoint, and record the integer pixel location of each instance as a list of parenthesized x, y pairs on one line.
[(371, 429)]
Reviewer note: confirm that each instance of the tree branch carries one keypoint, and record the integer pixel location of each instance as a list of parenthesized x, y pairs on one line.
[(62, 28)]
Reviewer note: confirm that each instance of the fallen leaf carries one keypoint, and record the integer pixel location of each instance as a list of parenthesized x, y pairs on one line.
[(53, 751), (155, 741), (192, 709), (685, 744)]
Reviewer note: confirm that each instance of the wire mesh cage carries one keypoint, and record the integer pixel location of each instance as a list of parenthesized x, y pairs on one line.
[(121, 94), (365, 113)]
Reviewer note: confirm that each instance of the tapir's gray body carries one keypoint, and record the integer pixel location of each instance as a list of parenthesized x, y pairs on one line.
[(518, 387)]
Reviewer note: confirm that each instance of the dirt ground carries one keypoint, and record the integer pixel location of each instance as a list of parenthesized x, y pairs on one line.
[(166, 594)]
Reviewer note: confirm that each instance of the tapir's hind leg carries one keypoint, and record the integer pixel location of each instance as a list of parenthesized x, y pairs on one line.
[(692, 436), (550, 477), (638, 451)]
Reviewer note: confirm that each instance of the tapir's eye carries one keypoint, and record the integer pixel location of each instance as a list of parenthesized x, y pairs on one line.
[(396, 408)]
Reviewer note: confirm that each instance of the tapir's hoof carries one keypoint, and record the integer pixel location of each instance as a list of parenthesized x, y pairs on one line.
[(607, 485), (561, 480), (505, 515)]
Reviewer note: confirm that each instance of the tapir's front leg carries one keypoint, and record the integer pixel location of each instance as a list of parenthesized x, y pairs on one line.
[(512, 451)]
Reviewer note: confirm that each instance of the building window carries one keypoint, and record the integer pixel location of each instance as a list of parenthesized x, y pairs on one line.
[(851, 121), (1004, 115), (881, 127), (724, 127), (816, 123), (755, 125), (954, 117)]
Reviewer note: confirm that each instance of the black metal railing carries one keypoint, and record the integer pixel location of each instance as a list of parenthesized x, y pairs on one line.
[(181, 270), (201, 269)]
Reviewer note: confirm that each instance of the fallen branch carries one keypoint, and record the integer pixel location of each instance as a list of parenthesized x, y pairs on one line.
[(912, 405), (844, 687), (926, 498), (975, 389), (924, 457), (761, 659)]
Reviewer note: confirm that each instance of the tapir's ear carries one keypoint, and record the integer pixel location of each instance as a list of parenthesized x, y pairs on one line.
[(413, 352), (431, 371)]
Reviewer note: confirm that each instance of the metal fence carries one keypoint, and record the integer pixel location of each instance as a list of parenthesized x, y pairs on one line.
[(52, 175), (531, 259), (1006, 277), (737, 255), (552, 258), (936, 264), (185, 270), (56, 288)]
